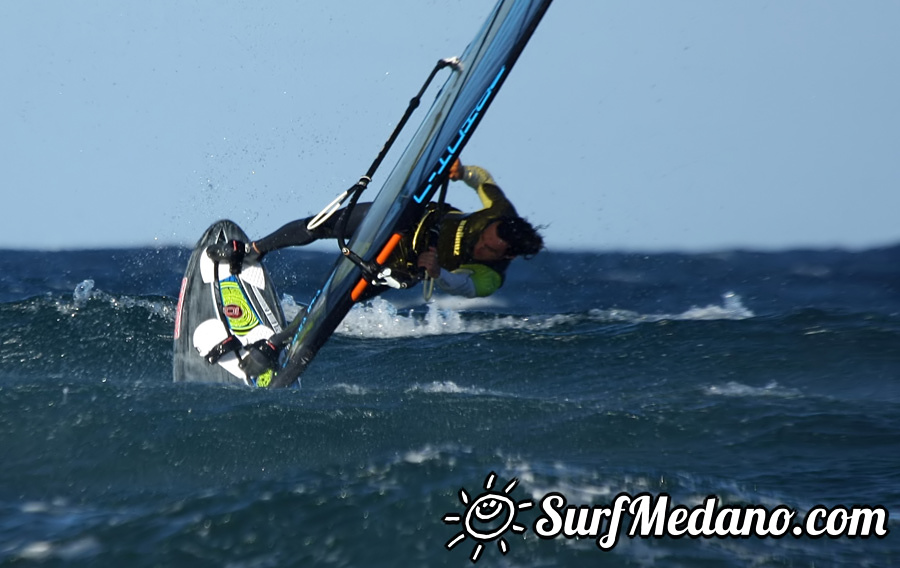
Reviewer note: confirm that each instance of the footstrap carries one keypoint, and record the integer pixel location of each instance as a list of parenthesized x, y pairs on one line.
[(239, 251), (230, 344)]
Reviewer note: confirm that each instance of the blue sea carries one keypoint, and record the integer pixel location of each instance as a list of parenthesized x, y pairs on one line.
[(766, 379)]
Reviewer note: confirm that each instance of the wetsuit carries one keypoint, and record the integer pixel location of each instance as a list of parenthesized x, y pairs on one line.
[(455, 242), (461, 274)]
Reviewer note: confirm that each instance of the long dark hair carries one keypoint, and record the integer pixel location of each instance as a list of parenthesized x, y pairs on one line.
[(523, 239)]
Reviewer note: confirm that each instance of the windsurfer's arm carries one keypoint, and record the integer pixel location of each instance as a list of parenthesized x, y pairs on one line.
[(482, 182), (469, 280)]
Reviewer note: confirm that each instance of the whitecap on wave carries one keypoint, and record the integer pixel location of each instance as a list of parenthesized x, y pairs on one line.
[(86, 292), (445, 387), (735, 389), (381, 319), (732, 308)]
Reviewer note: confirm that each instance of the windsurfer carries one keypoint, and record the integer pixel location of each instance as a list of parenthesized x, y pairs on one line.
[(463, 254), (466, 254)]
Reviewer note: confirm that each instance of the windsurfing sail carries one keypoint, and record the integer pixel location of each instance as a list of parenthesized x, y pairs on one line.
[(420, 171)]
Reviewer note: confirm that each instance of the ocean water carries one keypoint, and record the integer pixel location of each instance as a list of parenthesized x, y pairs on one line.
[(767, 380)]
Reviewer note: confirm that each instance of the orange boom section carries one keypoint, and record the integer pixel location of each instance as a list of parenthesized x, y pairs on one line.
[(380, 259)]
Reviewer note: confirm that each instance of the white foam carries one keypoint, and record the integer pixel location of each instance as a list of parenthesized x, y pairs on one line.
[(350, 389), (422, 455), (44, 550), (290, 307), (735, 389), (39, 550), (731, 309), (380, 319), (85, 292), (445, 387), (35, 507)]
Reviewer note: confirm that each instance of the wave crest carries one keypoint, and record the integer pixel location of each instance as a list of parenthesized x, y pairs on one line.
[(380, 319)]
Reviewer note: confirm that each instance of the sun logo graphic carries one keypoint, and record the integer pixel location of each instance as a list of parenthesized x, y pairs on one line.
[(488, 517)]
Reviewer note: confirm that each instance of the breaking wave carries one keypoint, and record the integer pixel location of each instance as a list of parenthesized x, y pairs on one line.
[(380, 318)]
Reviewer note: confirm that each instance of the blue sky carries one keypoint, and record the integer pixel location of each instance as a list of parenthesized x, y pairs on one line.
[(647, 126)]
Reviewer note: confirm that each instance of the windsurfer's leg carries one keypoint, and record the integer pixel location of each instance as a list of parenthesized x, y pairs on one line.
[(296, 232)]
